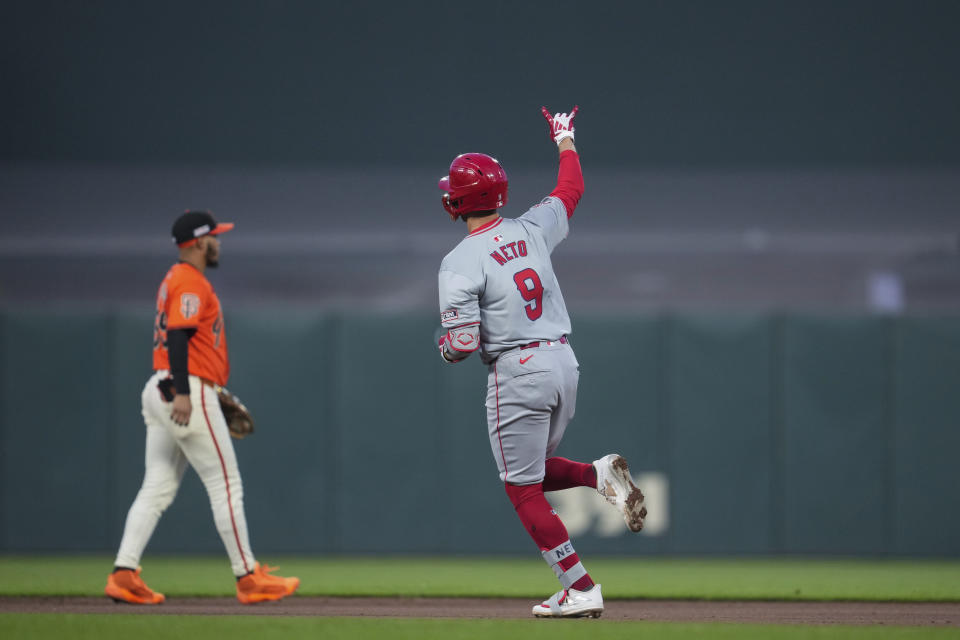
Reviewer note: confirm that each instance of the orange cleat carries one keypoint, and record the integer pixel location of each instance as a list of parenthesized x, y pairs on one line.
[(126, 585), (259, 586)]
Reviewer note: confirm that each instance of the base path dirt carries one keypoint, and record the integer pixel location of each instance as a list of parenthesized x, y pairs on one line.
[(819, 613)]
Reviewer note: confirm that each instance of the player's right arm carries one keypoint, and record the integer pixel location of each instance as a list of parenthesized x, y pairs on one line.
[(569, 188), (459, 315), (551, 217), (177, 350)]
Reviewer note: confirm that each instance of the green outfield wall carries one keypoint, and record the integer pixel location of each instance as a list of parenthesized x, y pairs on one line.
[(757, 434)]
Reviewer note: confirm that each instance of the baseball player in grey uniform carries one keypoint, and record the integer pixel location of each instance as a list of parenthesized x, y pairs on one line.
[(499, 295)]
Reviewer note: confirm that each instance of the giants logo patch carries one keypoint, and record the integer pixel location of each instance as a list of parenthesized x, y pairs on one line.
[(449, 314), (189, 305)]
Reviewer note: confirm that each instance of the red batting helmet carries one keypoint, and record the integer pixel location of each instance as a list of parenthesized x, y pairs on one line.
[(476, 182)]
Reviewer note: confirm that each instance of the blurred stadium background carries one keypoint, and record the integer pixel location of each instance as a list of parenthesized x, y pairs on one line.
[(764, 272)]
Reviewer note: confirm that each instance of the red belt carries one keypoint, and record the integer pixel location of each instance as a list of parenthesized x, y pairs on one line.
[(534, 345)]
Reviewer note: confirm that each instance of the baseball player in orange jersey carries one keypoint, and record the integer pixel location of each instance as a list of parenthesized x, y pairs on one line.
[(185, 423), (500, 296)]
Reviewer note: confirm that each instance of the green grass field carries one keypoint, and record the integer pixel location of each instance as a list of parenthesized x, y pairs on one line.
[(758, 579), (742, 579), (143, 627)]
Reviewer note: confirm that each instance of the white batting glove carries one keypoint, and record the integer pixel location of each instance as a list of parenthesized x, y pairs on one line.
[(561, 124)]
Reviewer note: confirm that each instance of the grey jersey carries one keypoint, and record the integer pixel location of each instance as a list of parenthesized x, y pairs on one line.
[(501, 277)]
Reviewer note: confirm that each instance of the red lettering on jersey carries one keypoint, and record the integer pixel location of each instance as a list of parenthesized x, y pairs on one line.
[(510, 251)]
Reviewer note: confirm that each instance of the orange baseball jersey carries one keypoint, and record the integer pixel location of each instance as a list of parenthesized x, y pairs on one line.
[(186, 300)]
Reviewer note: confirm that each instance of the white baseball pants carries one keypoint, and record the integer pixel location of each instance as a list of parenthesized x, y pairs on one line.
[(205, 443)]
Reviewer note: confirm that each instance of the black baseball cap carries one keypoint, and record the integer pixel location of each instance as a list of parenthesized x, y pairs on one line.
[(194, 224)]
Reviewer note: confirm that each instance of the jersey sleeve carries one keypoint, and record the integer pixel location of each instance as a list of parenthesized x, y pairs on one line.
[(459, 300), (549, 219), (185, 299)]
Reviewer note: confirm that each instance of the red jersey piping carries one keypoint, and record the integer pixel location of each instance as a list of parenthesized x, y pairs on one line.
[(486, 227)]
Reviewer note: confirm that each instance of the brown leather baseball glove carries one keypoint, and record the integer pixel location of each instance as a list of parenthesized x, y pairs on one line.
[(239, 420)]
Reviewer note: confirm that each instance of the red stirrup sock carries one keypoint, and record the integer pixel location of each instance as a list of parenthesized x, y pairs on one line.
[(547, 530), (563, 474)]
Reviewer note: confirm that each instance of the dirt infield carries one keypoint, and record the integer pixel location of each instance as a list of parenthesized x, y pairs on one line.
[(817, 613)]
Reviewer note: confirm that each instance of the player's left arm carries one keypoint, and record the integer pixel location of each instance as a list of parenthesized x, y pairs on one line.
[(570, 186), (459, 316), (459, 342)]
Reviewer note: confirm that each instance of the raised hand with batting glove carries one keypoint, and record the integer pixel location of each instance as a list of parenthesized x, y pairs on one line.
[(561, 124)]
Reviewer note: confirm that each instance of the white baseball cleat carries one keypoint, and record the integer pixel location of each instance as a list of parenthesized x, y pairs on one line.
[(615, 484), (571, 603)]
